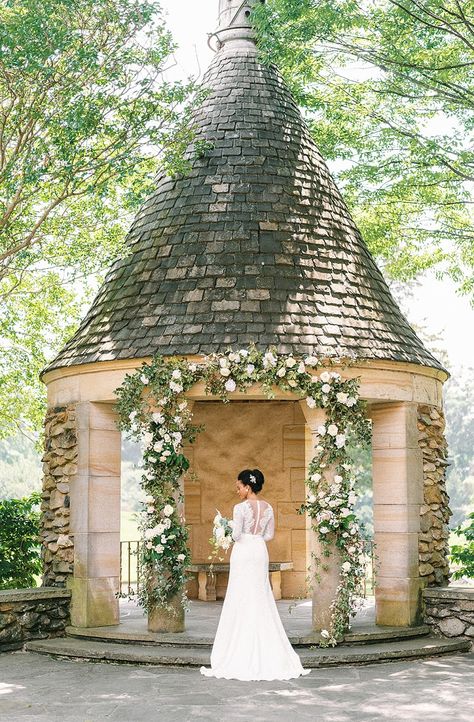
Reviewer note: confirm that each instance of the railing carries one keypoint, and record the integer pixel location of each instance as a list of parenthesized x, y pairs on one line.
[(130, 572)]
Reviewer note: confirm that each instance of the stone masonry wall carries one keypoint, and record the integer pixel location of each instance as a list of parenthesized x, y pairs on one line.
[(450, 611), (435, 512), (32, 614), (59, 465)]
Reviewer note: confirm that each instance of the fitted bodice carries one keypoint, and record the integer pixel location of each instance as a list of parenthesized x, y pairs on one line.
[(253, 517)]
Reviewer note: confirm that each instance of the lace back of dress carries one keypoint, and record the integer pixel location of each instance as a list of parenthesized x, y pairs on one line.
[(259, 514)]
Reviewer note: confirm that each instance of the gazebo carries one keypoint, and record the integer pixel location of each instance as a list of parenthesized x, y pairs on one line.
[(253, 245)]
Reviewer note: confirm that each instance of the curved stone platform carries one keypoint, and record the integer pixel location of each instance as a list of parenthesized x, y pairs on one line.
[(130, 642)]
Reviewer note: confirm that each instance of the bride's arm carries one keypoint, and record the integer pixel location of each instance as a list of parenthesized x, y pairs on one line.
[(238, 523), (269, 531)]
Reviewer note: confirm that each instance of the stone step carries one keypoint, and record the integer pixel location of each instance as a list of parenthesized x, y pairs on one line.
[(194, 656), (119, 634)]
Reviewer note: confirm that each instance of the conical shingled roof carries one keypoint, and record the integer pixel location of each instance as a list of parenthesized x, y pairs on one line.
[(255, 244)]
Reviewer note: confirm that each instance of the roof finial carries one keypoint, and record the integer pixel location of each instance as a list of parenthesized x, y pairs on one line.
[(234, 24)]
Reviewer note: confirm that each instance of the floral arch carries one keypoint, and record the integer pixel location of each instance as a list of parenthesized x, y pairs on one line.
[(153, 408)]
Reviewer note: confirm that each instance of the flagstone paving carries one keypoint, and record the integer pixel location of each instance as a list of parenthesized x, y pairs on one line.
[(33, 687)]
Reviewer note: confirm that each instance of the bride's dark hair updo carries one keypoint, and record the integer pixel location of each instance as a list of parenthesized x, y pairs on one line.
[(256, 485)]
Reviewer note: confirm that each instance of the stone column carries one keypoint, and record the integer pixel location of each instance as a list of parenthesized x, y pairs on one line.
[(95, 517), (397, 495), (325, 580)]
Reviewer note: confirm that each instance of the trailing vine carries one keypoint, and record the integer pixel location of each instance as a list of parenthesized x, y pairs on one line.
[(153, 409)]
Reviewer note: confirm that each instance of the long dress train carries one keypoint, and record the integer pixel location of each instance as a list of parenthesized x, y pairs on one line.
[(251, 642)]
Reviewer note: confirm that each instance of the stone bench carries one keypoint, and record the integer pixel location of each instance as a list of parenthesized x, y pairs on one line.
[(207, 580)]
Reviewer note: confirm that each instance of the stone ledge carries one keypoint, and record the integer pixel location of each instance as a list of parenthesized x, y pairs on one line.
[(446, 593), (33, 594)]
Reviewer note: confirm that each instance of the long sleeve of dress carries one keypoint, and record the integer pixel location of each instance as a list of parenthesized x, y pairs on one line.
[(238, 519), (269, 531)]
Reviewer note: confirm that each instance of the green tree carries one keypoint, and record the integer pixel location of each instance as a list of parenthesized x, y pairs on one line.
[(87, 118), (462, 554), (20, 559), (388, 91)]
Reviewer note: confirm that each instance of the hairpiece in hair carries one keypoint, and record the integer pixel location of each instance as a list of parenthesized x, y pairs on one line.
[(253, 480)]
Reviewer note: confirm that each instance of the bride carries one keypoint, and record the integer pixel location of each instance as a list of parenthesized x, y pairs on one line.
[(250, 642)]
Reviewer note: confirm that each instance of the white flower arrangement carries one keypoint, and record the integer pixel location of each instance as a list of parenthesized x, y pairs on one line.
[(167, 426)]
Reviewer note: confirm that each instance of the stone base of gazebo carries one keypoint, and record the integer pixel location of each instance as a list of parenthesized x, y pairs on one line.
[(130, 641)]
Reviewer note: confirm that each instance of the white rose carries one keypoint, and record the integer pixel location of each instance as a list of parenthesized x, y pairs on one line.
[(168, 510), (225, 371), (341, 397), (167, 523), (159, 549), (243, 352), (333, 503), (325, 388), (223, 362), (150, 510), (321, 430), (345, 512), (311, 361), (219, 533), (167, 438), (166, 453), (346, 567), (269, 359), (332, 430), (132, 415), (340, 441), (177, 435), (290, 362), (157, 446), (301, 368), (143, 379), (324, 530), (234, 357), (325, 377), (281, 372), (351, 550), (149, 499), (159, 529), (147, 438), (315, 477), (177, 388), (311, 498), (181, 557), (192, 368), (149, 533), (311, 402), (351, 401), (176, 374), (250, 369), (230, 385), (335, 375), (338, 479)]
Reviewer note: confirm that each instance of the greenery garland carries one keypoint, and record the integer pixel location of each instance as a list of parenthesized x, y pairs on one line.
[(153, 409)]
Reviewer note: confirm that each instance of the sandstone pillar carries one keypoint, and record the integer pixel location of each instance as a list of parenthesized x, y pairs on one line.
[(95, 517), (325, 573), (397, 495)]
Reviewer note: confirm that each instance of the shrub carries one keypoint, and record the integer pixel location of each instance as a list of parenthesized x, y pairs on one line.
[(20, 559), (462, 555)]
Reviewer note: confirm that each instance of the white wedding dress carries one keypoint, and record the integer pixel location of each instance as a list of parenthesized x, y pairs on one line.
[(251, 642)]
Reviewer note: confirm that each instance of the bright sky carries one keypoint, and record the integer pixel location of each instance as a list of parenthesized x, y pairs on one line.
[(436, 306)]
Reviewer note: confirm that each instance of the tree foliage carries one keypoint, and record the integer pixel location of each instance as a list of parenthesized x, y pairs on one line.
[(86, 119), (462, 554), (388, 91), (20, 559)]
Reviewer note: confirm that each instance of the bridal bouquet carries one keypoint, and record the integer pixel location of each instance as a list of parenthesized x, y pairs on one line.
[(222, 532), (221, 537)]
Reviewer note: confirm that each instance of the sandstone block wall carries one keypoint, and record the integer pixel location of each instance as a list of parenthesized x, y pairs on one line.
[(435, 511), (450, 611), (59, 466), (32, 614), (267, 435)]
